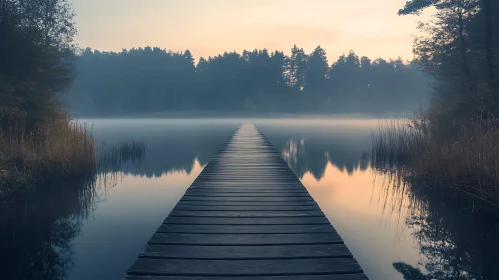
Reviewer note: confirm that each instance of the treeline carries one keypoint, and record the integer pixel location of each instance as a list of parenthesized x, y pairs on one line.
[(155, 80)]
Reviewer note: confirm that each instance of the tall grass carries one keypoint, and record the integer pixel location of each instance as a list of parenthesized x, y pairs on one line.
[(111, 158), (464, 163), (58, 150)]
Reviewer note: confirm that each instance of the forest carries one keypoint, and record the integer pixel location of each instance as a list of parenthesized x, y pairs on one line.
[(156, 80)]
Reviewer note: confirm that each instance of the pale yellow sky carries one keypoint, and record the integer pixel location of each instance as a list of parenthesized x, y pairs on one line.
[(210, 27)]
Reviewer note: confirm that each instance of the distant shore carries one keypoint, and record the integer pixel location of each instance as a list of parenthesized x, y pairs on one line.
[(234, 114)]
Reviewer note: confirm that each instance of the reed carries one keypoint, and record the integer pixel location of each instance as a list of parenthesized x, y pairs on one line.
[(464, 163), (111, 158), (55, 151)]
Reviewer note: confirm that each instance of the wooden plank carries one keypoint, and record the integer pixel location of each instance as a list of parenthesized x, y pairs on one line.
[(246, 194), (245, 252), (245, 239), (250, 174), (235, 229), (249, 203), (247, 221), (242, 199), (267, 171), (287, 277), (239, 176), (237, 188), (181, 267), (245, 190), (181, 207), (253, 181), (246, 214)]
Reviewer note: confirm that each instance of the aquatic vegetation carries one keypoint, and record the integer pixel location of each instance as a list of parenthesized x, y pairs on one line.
[(463, 163), (59, 150), (453, 242), (112, 157)]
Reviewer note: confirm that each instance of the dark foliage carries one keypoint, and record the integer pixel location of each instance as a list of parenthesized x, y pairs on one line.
[(35, 59), (460, 50), (154, 80)]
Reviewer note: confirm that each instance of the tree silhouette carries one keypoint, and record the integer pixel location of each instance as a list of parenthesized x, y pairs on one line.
[(317, 70), (36, 59), (460, 49), (156, 80)]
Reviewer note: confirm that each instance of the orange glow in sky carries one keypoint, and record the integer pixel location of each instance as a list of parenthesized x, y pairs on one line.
[(210, 27)]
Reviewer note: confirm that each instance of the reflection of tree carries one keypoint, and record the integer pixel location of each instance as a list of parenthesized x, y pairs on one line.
[(455, 242), (167, 149), (37, 228), (313, 155), (409, 272), (112, 158)]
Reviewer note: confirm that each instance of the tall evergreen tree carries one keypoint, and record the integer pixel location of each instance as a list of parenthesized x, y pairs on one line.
[(317, 69), (297, 68)]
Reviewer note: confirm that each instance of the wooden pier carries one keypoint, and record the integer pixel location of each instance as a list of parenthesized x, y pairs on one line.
[(246, 216)]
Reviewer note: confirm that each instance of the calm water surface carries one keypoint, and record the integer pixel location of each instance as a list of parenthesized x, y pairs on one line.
[(95, 230)]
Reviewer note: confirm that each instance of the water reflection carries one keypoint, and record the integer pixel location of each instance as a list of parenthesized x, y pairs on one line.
[(310, 150), (171, 145), (37, 228), (110, 159), (454, 242), (395, 230)]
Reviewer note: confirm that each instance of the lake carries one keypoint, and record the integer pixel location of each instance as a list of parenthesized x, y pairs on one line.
[(95, 230)]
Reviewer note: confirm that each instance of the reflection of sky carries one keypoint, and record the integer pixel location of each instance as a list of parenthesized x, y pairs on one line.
[(355, 207)]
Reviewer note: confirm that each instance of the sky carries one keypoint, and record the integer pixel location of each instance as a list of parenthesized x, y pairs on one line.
[(210, 27)]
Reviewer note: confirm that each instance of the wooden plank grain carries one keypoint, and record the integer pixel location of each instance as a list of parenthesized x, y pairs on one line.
[(246, 214), (243, 199), (246, 194), (183, 207), (201, 190), (247, 221), (245, 239), (182, 267), (251, 229), (286, 277), (245, 252)]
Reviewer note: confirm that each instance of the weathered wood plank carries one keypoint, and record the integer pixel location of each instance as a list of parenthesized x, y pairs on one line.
[(181, 267), (247, 221), (196, 190), (245, 252), (245, 239), (246, 194), (235, 229), (287, 277), (242, 199), (182, 207), (256, 188), (246, 214), (249, 203)]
